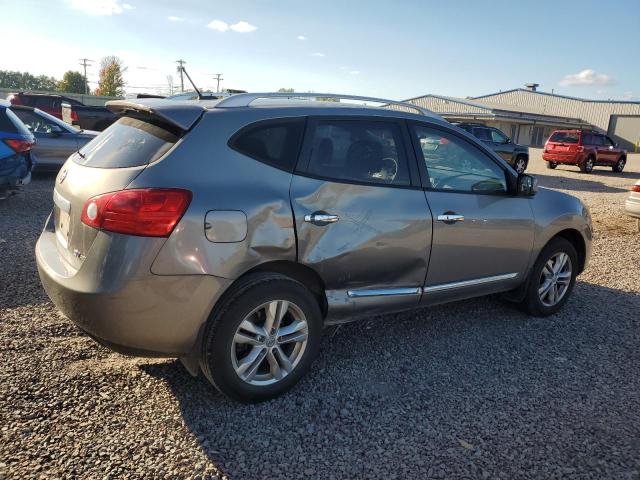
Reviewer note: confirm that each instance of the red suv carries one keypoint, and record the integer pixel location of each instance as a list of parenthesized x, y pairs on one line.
[(584, 148)]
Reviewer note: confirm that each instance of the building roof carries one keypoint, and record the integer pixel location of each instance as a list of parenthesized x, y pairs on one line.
[(633, 102)]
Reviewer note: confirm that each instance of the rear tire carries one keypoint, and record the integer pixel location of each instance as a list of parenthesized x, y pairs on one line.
[(520, 164), (552, 165), (587, 165), (540, 302), (246, 353), (619, 166)]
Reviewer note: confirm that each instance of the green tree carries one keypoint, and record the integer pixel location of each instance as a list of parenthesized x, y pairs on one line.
[(286, 90), (26, 81), (111, 82), (72, 82)]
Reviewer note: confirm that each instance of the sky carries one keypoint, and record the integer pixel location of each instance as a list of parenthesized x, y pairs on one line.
[(394, 49)]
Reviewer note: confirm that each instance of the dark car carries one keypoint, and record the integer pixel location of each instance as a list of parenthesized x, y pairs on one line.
[(49, 103), (55, 140), (516, 155), (584, 148), (15, 152), (87, 117)]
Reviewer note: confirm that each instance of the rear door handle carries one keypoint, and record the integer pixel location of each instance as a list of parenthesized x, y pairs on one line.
[(450, 218), (321, 218)]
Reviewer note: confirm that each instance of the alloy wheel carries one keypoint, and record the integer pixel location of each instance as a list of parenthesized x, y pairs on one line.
[(555, 279), (269, 342), (520, 165), (589, 164)]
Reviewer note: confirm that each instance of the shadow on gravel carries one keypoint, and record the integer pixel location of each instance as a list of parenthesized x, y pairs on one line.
[(583, 185), (462, 390)]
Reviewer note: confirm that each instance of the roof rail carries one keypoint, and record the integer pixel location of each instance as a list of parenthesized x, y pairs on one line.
[(246, 99)]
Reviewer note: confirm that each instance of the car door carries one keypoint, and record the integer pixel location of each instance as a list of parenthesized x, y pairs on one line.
[(362, 221), (601, 150), (609, 152), (482, 235), (501, 144)]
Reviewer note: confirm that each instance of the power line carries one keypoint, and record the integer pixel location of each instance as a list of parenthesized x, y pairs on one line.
[(180, 69), (86, 62), (218, 77)]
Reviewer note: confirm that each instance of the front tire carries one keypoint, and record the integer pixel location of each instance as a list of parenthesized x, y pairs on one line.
[(520, 164), (262, 338), (552, 165), (551, 279), (587, 165), (619, 166)]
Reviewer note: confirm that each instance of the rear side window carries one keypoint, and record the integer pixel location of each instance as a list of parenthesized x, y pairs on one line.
[(565, 137), (11, 124), (129, 142), (482, 134), (275, 142)]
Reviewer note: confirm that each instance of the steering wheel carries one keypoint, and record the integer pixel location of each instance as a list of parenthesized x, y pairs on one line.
[(389, 169)]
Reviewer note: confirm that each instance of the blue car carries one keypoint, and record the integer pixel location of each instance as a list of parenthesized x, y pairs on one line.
[(16, 141)]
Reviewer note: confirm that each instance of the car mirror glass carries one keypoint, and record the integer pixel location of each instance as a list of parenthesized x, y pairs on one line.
[(527, 185)]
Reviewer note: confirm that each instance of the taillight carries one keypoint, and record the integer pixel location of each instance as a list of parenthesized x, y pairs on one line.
[(19, 145), (151, 212), (580, 149), (635, 188), (74, 116)]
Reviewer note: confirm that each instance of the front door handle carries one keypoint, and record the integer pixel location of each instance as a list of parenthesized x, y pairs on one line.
[(450, 218), (321, 218)]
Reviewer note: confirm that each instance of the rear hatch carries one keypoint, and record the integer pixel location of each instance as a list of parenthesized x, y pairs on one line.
[(109, 163), (563, 142)]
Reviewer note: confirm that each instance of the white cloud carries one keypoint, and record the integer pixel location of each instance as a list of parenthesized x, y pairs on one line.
[(175, 19), (344, 68), (301, 37), (218, 25), (101, 7), (354, 72), (586, 77), (240, 27), (318, 54)]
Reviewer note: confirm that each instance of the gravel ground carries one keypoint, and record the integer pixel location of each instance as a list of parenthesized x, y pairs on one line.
[(470, 390)]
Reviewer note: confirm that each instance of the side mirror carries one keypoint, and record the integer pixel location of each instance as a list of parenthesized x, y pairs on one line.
[(527, 185), (508, 140)]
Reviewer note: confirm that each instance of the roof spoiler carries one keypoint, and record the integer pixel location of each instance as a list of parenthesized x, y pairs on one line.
[(178, 115)]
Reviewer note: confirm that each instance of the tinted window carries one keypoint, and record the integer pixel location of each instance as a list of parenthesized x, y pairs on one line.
[(454, 164), (482, 134), (608, 142), (127, 143), (11, 124), (37, 123), (598, 140), (274, 142), (565, 137), (45, 103), (587, 139), (498, 137), (358, 150)]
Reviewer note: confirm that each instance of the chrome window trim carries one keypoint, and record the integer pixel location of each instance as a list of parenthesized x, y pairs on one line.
[(468, 283), (381, 292)]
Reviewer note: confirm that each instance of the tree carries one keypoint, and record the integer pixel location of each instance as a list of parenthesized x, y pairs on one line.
[(111, 82), (72, 82), (26, 81), (286, 90)]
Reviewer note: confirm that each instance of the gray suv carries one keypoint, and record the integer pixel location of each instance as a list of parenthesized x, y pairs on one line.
[(228, 233)]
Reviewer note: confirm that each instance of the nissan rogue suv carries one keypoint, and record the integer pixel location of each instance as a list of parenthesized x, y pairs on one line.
[(228, 233), (584, 148)]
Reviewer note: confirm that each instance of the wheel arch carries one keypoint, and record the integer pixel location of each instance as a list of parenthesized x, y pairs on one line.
[(574, 237)]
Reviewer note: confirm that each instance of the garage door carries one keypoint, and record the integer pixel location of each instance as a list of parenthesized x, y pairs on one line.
[(625, 130)]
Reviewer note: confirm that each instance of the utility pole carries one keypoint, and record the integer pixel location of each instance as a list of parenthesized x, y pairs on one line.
[(85, 62), (218, 77), (180, 67)]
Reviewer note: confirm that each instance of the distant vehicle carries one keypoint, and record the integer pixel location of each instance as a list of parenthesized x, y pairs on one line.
[(16, 142), (87, 117), (516, 155), (584, 148), (230, 233), (632, 203), (49, 103), (192, 95), (55, 139)]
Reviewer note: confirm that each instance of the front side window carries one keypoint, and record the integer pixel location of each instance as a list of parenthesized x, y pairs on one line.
[(36, 123), (482, 134), (455, 165), (608, 142), (358, 150), (273, 142), (497, 136), (598, 140)]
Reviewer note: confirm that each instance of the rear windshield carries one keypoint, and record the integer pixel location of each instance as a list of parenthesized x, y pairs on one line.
[(565, 137), (10, 123), (127, 143)]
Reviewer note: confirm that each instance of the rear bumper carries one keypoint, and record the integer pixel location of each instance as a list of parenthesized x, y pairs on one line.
[(115, 298), (573, 159), (632, 205)]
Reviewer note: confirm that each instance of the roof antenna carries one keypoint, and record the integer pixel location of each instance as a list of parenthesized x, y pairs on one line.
[(200, 96)]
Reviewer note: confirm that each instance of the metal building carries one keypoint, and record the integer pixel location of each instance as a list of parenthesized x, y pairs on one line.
[(529, 116)]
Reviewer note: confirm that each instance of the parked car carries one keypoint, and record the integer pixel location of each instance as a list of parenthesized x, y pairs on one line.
[(584, 148), (632, 203), (516, 155), (229, 235), (87, 117), (55, 139), (49, 103), (15, 152)]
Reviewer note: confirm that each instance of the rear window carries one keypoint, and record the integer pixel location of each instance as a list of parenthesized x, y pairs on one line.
[(129, 142), (565, 137), (275, 142), (10, 123)]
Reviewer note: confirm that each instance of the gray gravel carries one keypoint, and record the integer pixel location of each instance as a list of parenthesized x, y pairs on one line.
[(470, 390)]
